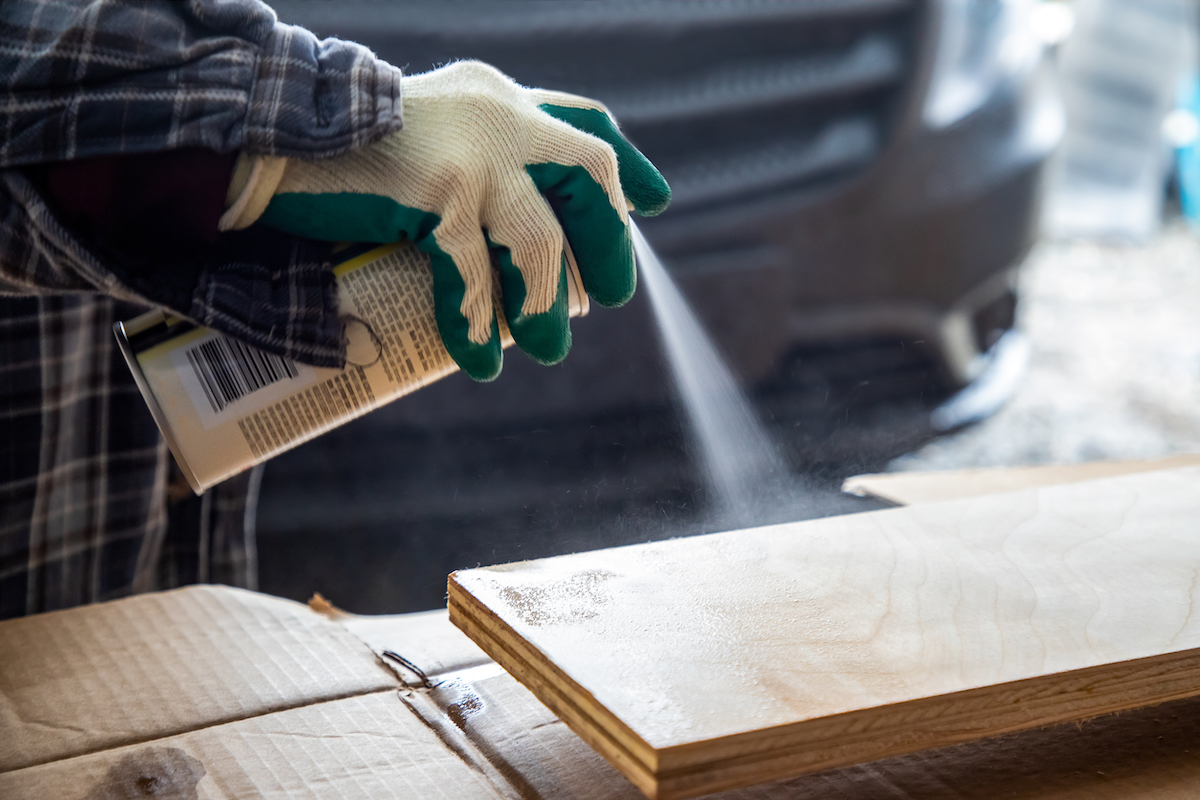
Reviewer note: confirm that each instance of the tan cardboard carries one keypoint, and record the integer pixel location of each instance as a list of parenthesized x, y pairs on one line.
[(368, 746), (211, 692), (157, 665), (426, 639)]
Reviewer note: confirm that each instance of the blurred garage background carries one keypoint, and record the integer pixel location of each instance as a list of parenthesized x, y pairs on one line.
[(925, 234)]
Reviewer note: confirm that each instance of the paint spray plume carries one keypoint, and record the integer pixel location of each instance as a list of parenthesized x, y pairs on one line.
[(744, 468)]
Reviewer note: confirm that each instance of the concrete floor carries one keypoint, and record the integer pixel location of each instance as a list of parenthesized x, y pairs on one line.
[(1115, 367)]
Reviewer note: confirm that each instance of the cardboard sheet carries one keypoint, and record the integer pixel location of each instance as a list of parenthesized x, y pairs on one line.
[(368, 746), (158, 665), (211, 692), (425, 639)]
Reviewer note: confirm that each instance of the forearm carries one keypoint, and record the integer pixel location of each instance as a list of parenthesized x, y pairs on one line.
[(106, 80), (112, 76), (88, 81)]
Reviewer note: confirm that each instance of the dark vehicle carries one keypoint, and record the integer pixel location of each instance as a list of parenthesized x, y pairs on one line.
[(855, 184)]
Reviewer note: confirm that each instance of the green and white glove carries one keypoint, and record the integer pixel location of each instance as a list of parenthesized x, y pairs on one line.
[(481, 164)]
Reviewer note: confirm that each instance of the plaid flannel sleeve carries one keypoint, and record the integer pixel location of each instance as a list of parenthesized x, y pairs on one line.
[(117, 76)]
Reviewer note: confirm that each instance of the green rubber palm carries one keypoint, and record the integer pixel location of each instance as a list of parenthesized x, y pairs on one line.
[(483, 164)]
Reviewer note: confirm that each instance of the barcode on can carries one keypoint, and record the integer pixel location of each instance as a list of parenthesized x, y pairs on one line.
[(228, 370)]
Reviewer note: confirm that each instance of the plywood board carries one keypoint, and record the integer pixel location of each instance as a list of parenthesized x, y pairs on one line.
[(700, 664), (906, 488)]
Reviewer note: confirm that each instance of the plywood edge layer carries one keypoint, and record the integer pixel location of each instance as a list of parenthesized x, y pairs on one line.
[(875, 733), (540, 680)]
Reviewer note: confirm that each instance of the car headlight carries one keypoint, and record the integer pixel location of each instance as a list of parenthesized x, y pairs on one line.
[(979, 41)]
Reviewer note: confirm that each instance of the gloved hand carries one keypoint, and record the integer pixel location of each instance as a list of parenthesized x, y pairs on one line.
[(480, 163)]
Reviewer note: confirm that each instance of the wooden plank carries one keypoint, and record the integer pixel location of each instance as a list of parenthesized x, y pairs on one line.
[(906, 488), (718, 661)]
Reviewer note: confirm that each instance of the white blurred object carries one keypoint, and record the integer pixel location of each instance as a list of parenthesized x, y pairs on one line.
[(1181, 128), (1052, 21), (1120, 72), (978, 41)]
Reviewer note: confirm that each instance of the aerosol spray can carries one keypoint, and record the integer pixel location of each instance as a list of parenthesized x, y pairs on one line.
[(224, 406)]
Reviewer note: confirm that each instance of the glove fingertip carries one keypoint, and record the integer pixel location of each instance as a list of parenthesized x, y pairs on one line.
[(613, 283), (646, 190), (613, 295), (544, 337), (546, 347), (482, 363), (613, 302)]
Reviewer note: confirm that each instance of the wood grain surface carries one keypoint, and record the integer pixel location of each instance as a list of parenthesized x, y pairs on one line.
[(730, 659)]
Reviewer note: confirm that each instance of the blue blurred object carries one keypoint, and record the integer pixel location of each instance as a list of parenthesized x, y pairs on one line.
[(1188, 155)]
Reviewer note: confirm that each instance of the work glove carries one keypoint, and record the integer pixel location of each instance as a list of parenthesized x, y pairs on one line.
[(481, 166)]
